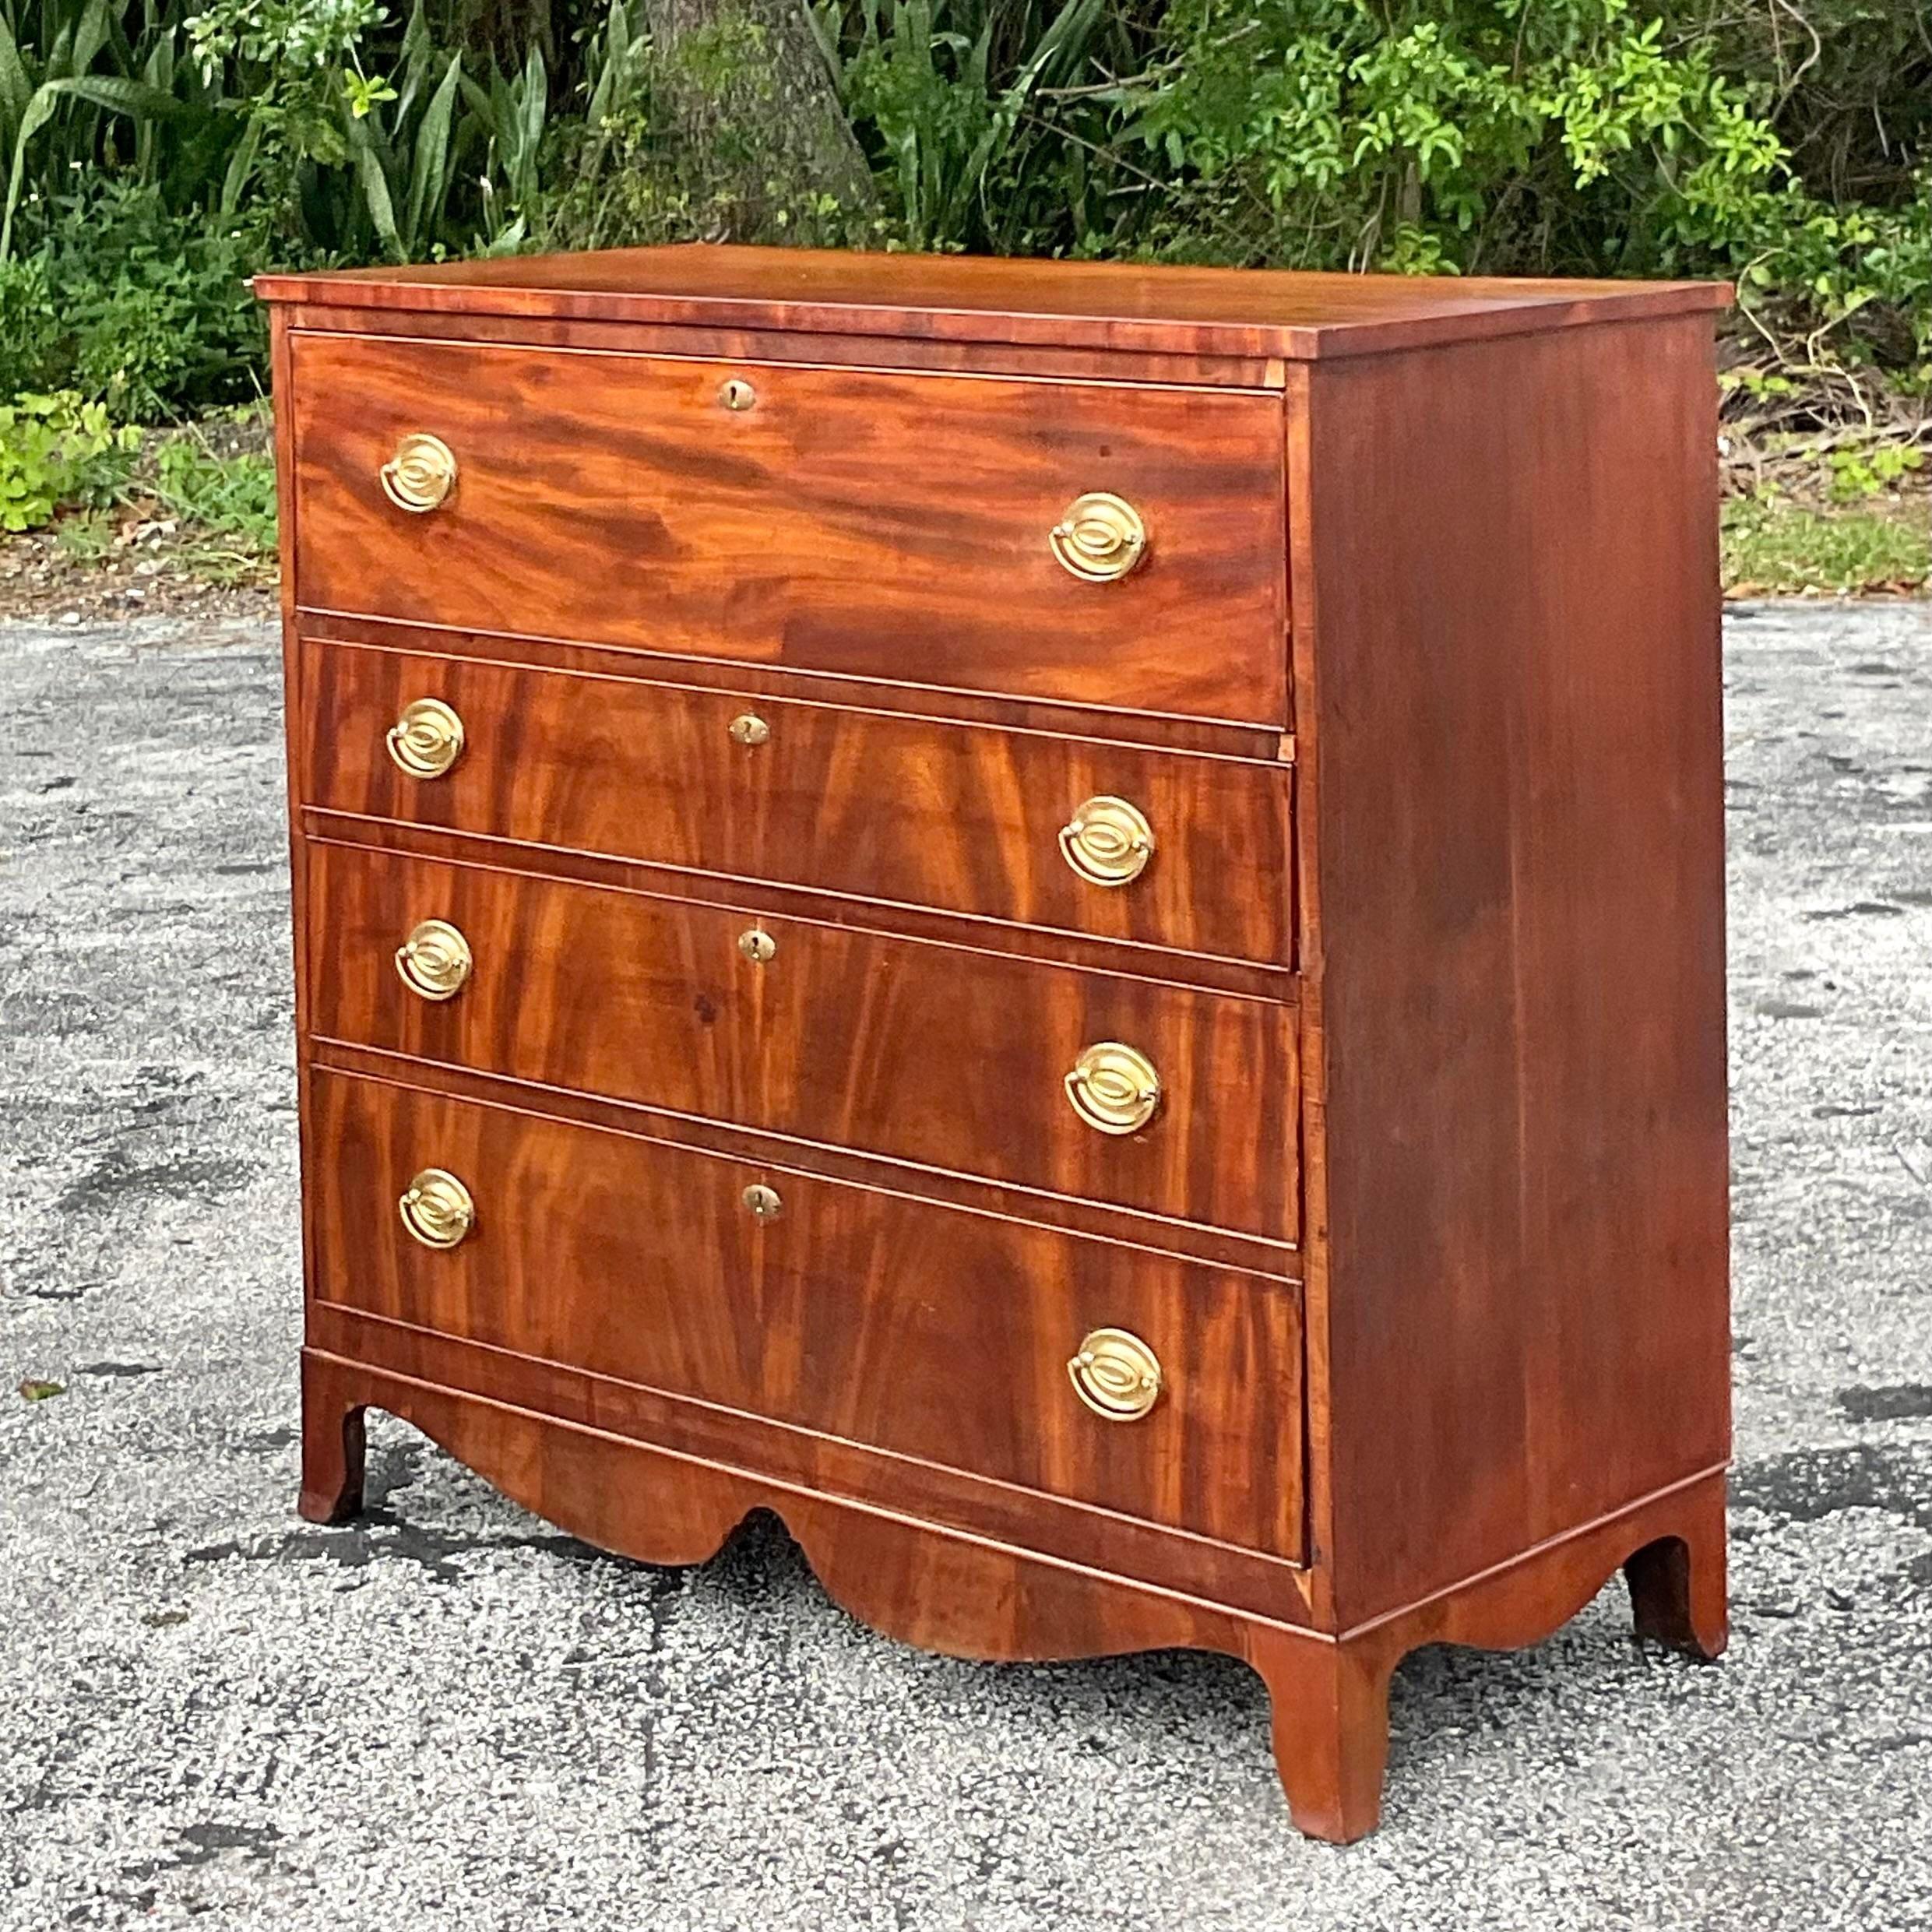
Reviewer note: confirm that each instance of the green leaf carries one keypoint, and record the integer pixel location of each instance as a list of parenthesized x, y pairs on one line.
[(39, 111), (117, 94), (15, 89), (241, 165), (375, 188), (429, 175), (89, 37), (136, 98)]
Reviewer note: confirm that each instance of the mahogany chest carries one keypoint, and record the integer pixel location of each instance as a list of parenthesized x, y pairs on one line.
[(1064, 922)]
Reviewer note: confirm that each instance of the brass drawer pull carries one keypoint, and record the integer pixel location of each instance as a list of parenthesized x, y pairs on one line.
[(1101, 538), (1107, 842), (427, 740), (1116, 1374), (1114, 1088), (437, 1209), (434, 960), (420, 474), (761, 1202), (748, 728)]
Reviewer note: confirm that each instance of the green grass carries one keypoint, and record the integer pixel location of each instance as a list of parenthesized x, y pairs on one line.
[(219, 478), (1777, 547), (211, 485), (86, 536)]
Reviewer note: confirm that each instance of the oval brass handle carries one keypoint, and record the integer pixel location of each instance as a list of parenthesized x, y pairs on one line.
[(1101, 538), (436, 1208), (427, 740), (420, 474), (1107, 842), (434, 960), (1113, 1088), (1116, 1374)]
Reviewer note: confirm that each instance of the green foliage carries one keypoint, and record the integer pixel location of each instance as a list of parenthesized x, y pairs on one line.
[(318, 128), (1466, 135), (626, 175), (156, 153), (147, 309), (953, 92), (230, 494), (1775, 547), (1869, 469), (1594, 137), (58, 451)]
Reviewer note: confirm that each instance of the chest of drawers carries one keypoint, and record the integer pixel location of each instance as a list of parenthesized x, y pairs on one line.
[(1063, 922)]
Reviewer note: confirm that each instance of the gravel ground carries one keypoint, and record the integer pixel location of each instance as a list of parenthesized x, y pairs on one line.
[(209, 1708)]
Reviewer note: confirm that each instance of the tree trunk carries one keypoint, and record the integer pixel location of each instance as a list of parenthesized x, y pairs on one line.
[(733, 68)]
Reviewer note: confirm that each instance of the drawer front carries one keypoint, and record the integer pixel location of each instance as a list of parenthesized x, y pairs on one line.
[(910, 1327), (904, 1048), (958, 817), (871, 524)]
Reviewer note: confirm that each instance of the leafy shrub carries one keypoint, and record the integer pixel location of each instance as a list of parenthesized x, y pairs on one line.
[(317, 127), (980, 119), (29, 328), (57, 451), (1463, 135), (155, 152), (1593, 137), (152, 309)]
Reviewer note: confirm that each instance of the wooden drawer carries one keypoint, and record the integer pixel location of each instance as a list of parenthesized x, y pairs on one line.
[(914, 1328), (919, 1052), (962, 818), (873, 524)]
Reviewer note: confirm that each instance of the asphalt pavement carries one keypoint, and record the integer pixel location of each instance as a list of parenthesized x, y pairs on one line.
[(451, 1714)]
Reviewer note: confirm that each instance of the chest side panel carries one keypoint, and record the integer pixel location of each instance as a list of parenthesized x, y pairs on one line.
[(1517, 969)]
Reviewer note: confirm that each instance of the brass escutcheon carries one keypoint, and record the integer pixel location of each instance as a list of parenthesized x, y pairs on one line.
[(434, 960), (427, 740), (1107, 842), (1101, 538), (436, 1208), (420, 474), (1113, 1088), (736, 393), (1116, 1374), (763, 1202), (748, 728), (760, 947)]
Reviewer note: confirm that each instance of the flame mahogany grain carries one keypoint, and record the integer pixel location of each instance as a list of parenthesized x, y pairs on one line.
[(962, 817), (842, 1316), (862, 522), (1431, 1235), (913, 1051)]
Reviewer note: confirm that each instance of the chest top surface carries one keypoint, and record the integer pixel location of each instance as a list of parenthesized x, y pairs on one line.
[(974, 299)]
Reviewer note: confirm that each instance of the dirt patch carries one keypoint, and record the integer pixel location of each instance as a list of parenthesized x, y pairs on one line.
[(137, 573), (197, 542)]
